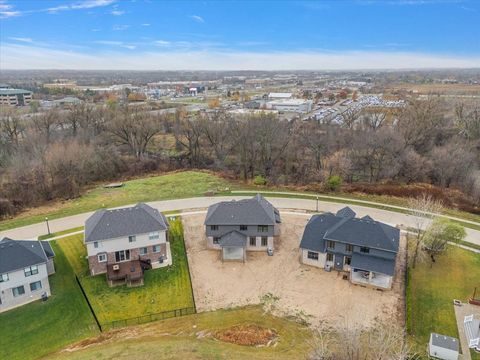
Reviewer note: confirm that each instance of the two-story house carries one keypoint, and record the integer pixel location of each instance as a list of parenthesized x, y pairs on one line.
[(364, 248), (235, 227), (124, 242), (24, 269)]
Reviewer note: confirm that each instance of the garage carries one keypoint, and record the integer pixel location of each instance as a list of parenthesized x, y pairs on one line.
[(233, 246)]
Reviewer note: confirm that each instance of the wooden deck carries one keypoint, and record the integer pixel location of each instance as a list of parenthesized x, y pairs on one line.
[(129, 272)]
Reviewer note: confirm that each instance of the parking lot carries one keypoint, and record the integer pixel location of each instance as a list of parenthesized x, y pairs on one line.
[(301, 289)]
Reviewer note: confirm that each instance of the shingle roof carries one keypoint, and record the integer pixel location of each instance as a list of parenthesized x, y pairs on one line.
[(109, 224), (346, 212), (372, 263), (255, 211), (18, 254), (361, 232), (233, 239), (47, 248), (444, 341)]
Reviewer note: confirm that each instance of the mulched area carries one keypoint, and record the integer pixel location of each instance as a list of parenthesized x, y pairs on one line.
[(248, 335)]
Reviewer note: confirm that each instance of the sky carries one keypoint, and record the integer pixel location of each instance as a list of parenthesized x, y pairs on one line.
[(241, 35)]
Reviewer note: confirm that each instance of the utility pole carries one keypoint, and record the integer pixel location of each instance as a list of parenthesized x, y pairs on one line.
[(317, 204), (48, 226)]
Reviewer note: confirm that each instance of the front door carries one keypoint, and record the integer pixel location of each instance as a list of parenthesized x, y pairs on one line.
[(338, 262)]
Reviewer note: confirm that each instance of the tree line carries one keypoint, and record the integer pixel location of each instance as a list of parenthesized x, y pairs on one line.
[(55, 153)]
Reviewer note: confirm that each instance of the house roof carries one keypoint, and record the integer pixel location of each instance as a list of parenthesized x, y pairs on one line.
[(18, 254), (47, 248), (233, 239), (109, 224), (344, 228), (346, 212), (373, 263), (444, 341), (254, 211), (14, 92)]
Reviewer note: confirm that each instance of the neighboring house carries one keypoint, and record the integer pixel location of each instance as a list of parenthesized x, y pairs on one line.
[(472, 331), (24, 269), (365, 248), (236, 227), (124, 242), (443, 347)]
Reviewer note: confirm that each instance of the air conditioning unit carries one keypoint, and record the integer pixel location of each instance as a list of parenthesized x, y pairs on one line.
[(116, 267)]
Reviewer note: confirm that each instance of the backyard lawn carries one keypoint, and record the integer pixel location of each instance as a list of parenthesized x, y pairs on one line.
[(170, 186), (192, 337), (430, 292), (165, 289), (39, 328)]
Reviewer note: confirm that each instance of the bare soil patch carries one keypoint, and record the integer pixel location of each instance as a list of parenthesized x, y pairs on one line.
[(248, 335)]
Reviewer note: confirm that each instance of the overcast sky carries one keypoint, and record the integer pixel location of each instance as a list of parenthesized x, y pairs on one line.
[(250, 35)]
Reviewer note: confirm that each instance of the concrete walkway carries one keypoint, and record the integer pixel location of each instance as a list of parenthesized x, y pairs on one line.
[(200, 203)]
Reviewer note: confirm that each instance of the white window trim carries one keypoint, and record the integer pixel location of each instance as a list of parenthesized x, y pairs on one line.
[(141, 250), (40, 288), (153, 249), (102, 255), (155, 235), (133, 237), (4, 277)]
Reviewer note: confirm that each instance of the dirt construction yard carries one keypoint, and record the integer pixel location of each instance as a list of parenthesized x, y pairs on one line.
[(302, 290)]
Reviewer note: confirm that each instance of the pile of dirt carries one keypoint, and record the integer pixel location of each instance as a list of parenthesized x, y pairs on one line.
[(248, 335)]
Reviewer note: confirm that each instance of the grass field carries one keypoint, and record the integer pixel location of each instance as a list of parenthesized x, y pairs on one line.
[(179, 338), (59, 233), (430, 292), (170, 186), (165, 288), (39, 328)]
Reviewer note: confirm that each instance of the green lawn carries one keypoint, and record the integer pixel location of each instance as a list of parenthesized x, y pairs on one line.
[(170, 186), (430, 292), (178, 338), (165, 288), (39, 328), (64, 232)]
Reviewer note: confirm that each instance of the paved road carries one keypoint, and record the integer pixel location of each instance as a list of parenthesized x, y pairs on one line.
[(389, 217)]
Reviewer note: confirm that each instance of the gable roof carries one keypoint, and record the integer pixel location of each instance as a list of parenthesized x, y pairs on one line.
[(445, 342), (233, 239), (109, 224), (373, 263), (346, 212), (254, 211), (362, 232), (18, 254), (47, 248)]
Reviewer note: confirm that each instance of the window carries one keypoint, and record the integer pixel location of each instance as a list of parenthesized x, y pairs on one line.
[(18, 291), (156, 248), (253, 241), (364, 249), (330, 244), (102, 257), (32, 270), (143, 251), (329, 257), (262, 228), (348, 260), (37, 285), (243, 227), (312, 255), (132, 238), (348, 248), (122, 255), (154, 235), (214, 227), (3, 277), (216, 240), (95, 244), (264, 241)]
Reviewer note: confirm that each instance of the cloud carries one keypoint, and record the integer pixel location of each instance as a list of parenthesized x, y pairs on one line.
[(16, 56), (146, 24), (197, 18), (86, 4), (22, 39), (9, 14), (117, 12), (116, 43), (120, 27), (162, 43)]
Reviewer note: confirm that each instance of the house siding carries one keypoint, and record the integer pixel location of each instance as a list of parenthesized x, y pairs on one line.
[(318, 263), (17, 278), (252, 230)]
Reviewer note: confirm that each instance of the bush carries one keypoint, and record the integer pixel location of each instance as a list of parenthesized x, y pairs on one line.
[(260, 180), (333, 183)]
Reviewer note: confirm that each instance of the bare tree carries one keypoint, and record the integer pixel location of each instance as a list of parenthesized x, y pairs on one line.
[(45, 123)]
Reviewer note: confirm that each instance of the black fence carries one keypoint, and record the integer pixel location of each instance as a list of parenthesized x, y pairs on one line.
[(148, 318)]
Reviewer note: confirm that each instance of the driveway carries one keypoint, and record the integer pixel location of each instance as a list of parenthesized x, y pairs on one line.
[(301, 289), (389, 217)]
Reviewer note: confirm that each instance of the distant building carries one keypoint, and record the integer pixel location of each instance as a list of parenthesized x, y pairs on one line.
[(15, 97), (274, 96), (291, 105), (61, 84), (443, 347)]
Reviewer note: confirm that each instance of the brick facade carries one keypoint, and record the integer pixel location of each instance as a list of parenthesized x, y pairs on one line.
[(97, 267)]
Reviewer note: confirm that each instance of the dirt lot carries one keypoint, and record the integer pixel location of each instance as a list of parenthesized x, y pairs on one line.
[(301, 289)]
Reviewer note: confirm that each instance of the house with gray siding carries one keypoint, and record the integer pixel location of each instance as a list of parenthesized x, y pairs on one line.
[(363, 248), (124, 242), (25, 266), (238, 226)]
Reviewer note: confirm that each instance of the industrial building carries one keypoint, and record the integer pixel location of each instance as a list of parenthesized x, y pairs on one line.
[(15, 97), (291, 105)]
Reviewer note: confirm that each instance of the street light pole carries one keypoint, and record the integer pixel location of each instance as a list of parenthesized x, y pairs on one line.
[(48, 226), (317, 204)]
